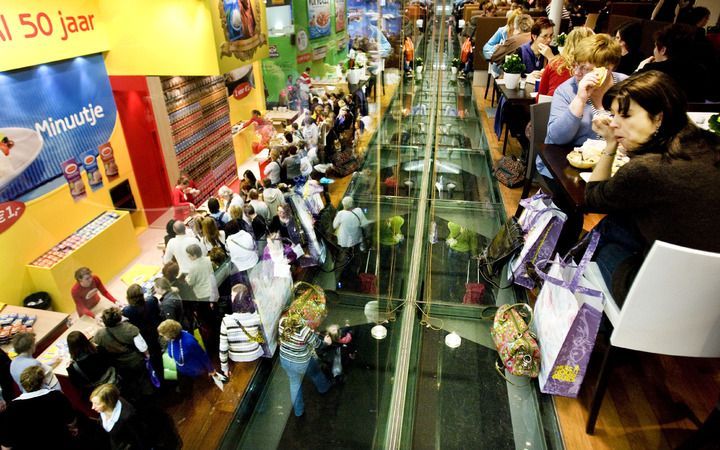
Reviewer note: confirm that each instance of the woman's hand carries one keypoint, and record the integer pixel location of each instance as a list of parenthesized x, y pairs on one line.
[(546, 51), (601, 125), (327, 340), (644, 62), (587, 86)]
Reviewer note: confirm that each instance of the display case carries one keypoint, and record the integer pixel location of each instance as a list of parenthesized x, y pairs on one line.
[(106, 245)]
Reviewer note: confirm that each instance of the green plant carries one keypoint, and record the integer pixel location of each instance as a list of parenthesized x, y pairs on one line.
[(562, 37), (419, 61), (456, 62), (513, 64)]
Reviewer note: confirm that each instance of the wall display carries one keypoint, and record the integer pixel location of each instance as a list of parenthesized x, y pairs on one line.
[(240, 82), (318, 18), (240, 32), (108, 158), (50, 114), (340, 15), (90, 164), (200, 123), (364, 21), (71, 171), (33, 32)]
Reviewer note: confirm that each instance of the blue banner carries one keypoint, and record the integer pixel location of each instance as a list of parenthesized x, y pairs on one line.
[(49, 114)]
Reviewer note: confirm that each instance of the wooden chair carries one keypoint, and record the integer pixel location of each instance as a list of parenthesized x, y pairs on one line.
[(539, 116), (591, 21), (672, 309)]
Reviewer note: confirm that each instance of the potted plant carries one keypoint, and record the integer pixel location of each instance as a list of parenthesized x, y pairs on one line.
[(562, 37), (513, 68), (455, 66), (419, 65)]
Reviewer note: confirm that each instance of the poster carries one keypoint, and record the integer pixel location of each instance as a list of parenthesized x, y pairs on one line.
[(90, 164), (51, 114), (240, 32), (319, 18), (340, 15)]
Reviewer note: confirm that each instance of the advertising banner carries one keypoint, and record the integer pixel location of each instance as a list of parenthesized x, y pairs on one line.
[(319, 18), (240, 32), (52, 114), (35, 31), (340, 15)]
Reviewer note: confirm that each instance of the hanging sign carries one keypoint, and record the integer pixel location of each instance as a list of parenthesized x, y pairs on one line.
[(319, 18), (242, 90), (33, 32), (274, 51), (304, 58), (10, 213)]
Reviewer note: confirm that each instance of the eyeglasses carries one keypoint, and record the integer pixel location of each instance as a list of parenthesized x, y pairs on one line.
[(583, 69)]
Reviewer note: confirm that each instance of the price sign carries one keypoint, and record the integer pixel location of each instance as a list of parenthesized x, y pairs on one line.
[(10, 213)]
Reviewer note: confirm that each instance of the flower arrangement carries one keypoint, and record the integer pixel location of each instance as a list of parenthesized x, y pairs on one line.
[(418, 61), (513, 64), (456, 62), (562, 37)]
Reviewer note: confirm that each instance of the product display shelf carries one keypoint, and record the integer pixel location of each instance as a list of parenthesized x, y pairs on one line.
[(47, 327), (106, 245), (200, 124)]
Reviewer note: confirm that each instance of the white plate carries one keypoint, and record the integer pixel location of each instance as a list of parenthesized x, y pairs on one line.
[(28, 144)]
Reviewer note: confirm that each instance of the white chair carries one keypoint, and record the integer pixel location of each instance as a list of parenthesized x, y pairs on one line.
[(672, 308)]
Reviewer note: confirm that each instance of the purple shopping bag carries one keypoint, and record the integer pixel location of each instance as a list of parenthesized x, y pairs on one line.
[(568, 311), (542, 223)]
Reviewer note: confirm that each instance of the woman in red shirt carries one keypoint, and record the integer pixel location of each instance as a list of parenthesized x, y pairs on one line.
[(558, 70), (182, 204), (85, 293)]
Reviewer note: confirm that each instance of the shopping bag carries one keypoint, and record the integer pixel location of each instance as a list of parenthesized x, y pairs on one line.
[(198, 337), (368, 281), (568, 311), (474, 292), (151, 373), (542, 223), (310, 304), (169, 367)]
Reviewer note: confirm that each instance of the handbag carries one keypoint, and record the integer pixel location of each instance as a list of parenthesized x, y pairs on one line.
[(508, 240), (169, 367), (474, 292), (151, 373), (517, 347), (510, 171), (259, 339), (310, 304)]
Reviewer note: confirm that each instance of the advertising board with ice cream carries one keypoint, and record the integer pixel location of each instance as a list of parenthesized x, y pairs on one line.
[(51, 113), (318, 18)]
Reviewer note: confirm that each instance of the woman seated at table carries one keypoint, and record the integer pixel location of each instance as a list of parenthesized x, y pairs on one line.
[(668, 189), (579, 98), (560, 67), (536, 53)]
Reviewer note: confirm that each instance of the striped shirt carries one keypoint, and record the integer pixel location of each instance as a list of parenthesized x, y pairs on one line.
[(299, 347), (235, 343)]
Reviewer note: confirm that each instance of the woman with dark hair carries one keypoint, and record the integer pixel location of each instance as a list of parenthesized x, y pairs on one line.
[(249, 177), (628, 35), (241, 336), (89, 368), (127, 350), (536, 53), (668, 191), (676, 55), (169, 229)]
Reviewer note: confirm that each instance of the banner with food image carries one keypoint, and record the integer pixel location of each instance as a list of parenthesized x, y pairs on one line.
[(90, 164), (340, 15), (319, 18), (51, 114)]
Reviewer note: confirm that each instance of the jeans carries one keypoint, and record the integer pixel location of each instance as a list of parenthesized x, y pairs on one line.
[(295, 372), (619, 241)]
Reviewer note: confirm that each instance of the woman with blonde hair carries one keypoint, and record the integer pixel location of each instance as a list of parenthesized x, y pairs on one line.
[(502, 33), (559, 68)]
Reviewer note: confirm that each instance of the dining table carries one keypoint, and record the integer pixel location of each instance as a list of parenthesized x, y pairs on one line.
[(568, 177), (518, 98)]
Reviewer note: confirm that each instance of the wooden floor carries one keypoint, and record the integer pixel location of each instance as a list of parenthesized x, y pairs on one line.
[(653, 402)]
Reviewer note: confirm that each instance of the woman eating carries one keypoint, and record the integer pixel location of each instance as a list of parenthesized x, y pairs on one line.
[(667, 190), (560, 68)]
